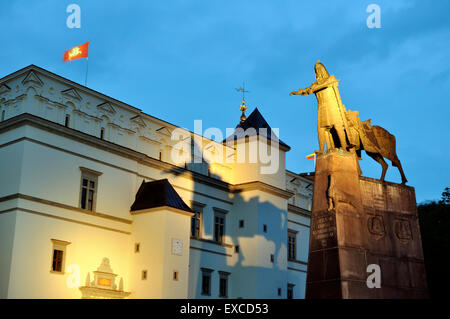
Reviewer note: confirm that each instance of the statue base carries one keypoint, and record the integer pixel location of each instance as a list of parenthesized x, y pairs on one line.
[(359, 221)]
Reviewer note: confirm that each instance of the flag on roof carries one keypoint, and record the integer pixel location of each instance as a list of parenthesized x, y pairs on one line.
[(77, 52)]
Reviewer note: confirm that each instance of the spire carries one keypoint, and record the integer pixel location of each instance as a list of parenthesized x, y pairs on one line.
[(243, 107)]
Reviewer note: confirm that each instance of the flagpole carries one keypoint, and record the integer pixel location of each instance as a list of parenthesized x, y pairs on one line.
[(87, 69)]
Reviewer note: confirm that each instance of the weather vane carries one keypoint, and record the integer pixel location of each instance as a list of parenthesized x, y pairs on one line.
[(243, 106)]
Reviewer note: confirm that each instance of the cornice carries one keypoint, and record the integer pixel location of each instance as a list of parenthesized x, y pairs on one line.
[(257, 185)]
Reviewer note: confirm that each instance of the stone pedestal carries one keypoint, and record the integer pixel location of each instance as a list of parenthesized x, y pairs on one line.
[(358, 221)]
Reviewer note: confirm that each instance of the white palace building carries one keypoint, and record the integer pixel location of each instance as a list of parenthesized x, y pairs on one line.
[(96, 203)]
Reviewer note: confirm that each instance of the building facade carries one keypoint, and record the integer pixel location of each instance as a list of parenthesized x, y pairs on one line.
[(100, 200)]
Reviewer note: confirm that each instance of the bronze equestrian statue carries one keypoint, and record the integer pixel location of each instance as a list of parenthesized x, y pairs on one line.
[(343, 129)]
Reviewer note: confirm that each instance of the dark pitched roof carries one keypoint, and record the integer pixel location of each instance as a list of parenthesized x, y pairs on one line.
[(157, 194), (256, 121)]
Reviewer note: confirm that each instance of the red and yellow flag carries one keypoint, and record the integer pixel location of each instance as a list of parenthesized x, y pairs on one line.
[(311, 156), (78, 52)]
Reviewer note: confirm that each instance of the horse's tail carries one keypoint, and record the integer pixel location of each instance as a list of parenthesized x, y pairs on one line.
[(386, 141)]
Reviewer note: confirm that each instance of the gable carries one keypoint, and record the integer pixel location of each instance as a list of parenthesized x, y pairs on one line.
[(107, 107), (138, 120), (72, 93), (33, 78), (4, 89), (164, 131)]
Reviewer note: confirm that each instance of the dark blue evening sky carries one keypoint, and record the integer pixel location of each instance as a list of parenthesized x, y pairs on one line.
[(182, 60)]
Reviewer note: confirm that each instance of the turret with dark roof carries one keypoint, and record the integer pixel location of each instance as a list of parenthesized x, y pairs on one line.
[(256, 121)]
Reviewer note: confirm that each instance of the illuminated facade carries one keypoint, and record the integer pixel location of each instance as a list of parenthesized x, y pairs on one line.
[(93, 204)]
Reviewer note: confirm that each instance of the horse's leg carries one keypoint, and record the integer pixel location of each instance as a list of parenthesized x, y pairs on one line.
[(380, 160), (396, 163)]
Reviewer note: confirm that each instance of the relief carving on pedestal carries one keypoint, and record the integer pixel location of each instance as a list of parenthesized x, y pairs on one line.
[(402, 230), (376, 226)]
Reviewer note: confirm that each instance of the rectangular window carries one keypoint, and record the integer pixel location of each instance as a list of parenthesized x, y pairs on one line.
[(102, 133), (57, 260), (292, 244), (196, 220), (3, 115), (223, 284), (290, 291), (67, 120), (241, 223), (219, 227), (206, 281), (265, 228), (88, 191), (58, 255), (137, 247), (144, 275), (175, 275)]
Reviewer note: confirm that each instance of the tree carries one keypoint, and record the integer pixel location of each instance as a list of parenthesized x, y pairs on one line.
[(434, 219)]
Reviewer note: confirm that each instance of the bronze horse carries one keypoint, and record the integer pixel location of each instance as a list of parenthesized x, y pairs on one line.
[(376, 141)]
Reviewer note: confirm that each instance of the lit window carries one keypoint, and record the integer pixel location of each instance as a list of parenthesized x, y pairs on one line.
[(292, 244), (223, 284), (58, 255), (89, 186), (206, 281)]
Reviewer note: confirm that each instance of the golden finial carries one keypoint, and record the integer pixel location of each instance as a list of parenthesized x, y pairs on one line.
[(243, 106)]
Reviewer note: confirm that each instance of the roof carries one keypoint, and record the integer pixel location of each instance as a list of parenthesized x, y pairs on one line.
[(256, 121), (158, 193)]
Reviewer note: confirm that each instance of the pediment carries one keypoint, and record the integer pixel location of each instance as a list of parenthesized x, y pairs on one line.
[(107, 107), (33, 78), (164, 131), (4, 89), (138, 120), (72, 93)]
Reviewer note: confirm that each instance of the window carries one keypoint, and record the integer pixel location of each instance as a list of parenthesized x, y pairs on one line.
[(88, 191), (144, 275), (265, 228), (175, 275), (137, 247), (236, 248), (290, 291), (196, 220), (67, 120), (219, 226), (206, 281), (241, 223), (223, 284), (292, 244), (279, 291), (3, 115), (102, 133), (272, 258), (58, 255)]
